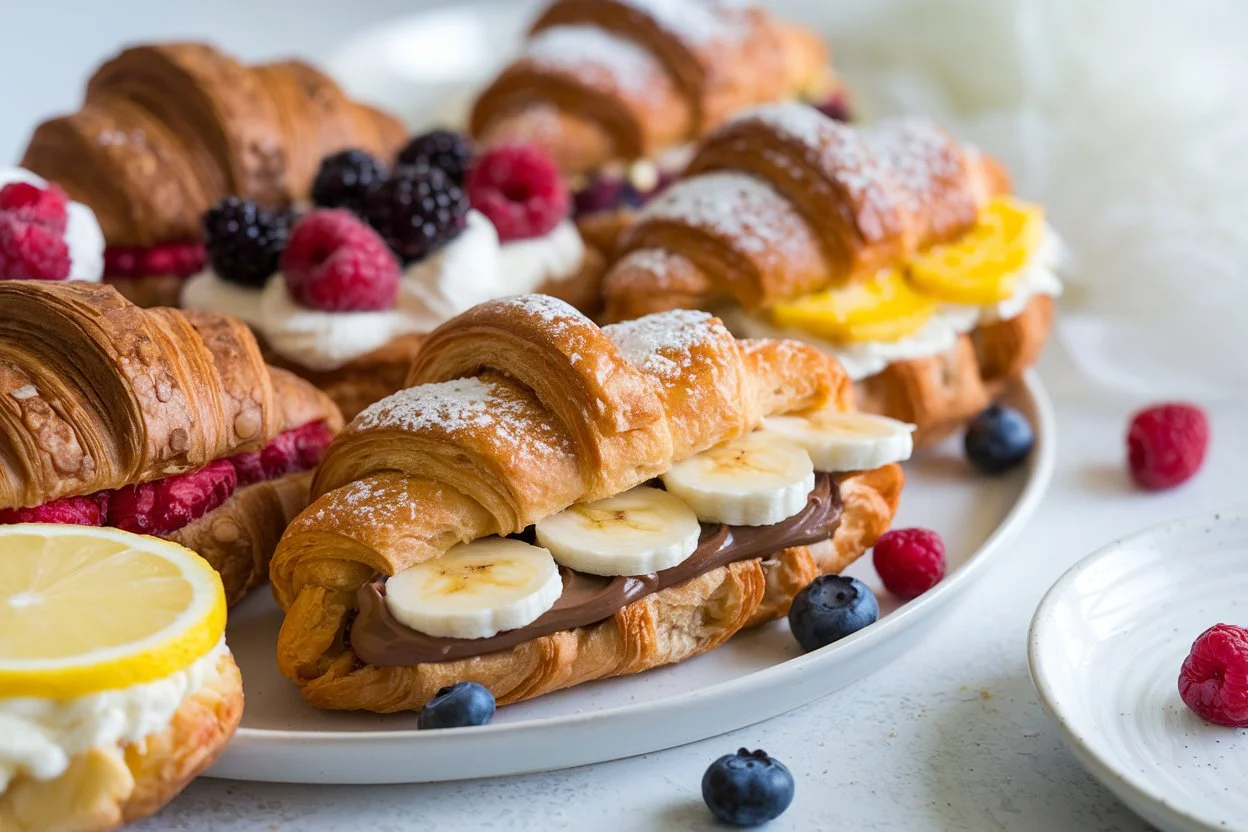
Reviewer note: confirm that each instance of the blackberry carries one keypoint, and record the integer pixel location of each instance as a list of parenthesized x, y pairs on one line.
[(444, 149), (416, 211), (345, 179), (243, 241)]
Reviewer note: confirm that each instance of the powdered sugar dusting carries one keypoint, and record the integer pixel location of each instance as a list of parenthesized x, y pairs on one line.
[(595, 56), (662, 344), (379, 506), (696, 22), (655, 262)]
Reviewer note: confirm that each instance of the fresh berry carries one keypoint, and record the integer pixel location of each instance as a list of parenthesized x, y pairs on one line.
[(76, 511), (311, 442), (168, 504), (178, 259), (606, 192), (43, 206), (29, 251), (447, 150), (457, 706), (1214, 678), (998, 439), (345, 180), (748, 788), (336, 263), (910, 561), (418, 210), (243, 241), (835, 106), (248, 467), (1166, 445), (299, 449), (829, 608), (519, 188)]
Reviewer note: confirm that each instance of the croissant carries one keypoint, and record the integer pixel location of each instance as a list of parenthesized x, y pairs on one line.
[(167, 130), (99, 396), (782, 204), (520, 408)]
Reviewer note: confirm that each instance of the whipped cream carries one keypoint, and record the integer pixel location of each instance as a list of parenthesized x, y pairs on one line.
[(556, 255), (83, 236), (208, 290), (39, 737)]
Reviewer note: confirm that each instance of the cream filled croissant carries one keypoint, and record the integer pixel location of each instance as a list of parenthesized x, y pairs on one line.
[(552, 502), (894, 248)]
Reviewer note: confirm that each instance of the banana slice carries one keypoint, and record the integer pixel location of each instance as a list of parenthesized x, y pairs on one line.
[(846, 441), (640, 531), (476, 590), (755, 480)]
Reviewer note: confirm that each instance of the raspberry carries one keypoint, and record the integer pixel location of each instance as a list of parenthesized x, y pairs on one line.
[(76, 511), (248, 468), (178, 259), (168, 504), (910, 561), (244, 241), (519, 188), (345, 179), (43, 206), (1166, 445), (446, 150), (1214, 678), (337, 263), (416, 211), (835, 106), (311, 442), (294, 450), (29, 251)]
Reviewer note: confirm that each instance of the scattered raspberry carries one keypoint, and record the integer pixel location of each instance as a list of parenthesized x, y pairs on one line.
[(335, 262), (177, 259), (74, 511), (43, 206), (519, 188), (416, 211), (29, 251), (1166, 445), (835, 106), (244, 241), (1214, 678), (447, 150), (345, 179), (910, 561), (168, 504)]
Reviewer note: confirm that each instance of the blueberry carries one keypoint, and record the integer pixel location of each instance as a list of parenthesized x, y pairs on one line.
[(829, 608), (747, 788), (998, 439), (457, 706)]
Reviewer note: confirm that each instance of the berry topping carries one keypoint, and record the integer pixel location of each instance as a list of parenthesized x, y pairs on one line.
[(417, 211), (1166, 445), (748, 788), (519, 188), (829, 608), (998, 439), (29, 251), (295, 450), (168, 504), (76, 511), (1214, 678), (345, 179), (177, 259), (457, 706), (446, 150), (835, 106), (910, 561), (43, 206), (244, 241), (335, 262), (605, 192)]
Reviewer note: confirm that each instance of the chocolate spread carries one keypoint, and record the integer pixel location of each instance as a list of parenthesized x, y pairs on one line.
[(377, 637)]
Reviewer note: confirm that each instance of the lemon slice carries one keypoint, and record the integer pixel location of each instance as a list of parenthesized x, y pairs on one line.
[(884, 308), (981, 267), (87, 609)]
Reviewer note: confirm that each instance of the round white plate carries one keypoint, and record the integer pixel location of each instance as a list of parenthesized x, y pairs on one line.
[(1105, 649), (753, 677)]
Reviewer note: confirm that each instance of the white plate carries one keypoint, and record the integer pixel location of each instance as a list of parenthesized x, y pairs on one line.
[(1105, 649), (755, 676)]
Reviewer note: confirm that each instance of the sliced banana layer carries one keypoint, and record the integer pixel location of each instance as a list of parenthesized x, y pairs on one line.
[(755, 480), (476, 590), (846, 441), (640, 531)]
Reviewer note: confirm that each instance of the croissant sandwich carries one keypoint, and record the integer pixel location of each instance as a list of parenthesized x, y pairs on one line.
[(894, 248), (154, 421), (552, 503), (617, 89)]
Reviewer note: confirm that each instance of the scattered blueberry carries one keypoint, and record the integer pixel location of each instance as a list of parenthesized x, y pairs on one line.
[(457, 706), (998, 439), (829, 608), (747, 788)]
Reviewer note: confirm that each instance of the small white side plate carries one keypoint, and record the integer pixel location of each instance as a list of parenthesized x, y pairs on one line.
[(1105, 649)]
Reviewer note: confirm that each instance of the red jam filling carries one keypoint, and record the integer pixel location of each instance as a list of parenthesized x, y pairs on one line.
[(176, 259)]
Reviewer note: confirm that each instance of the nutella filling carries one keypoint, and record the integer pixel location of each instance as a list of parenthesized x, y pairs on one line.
[(378, 638)]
